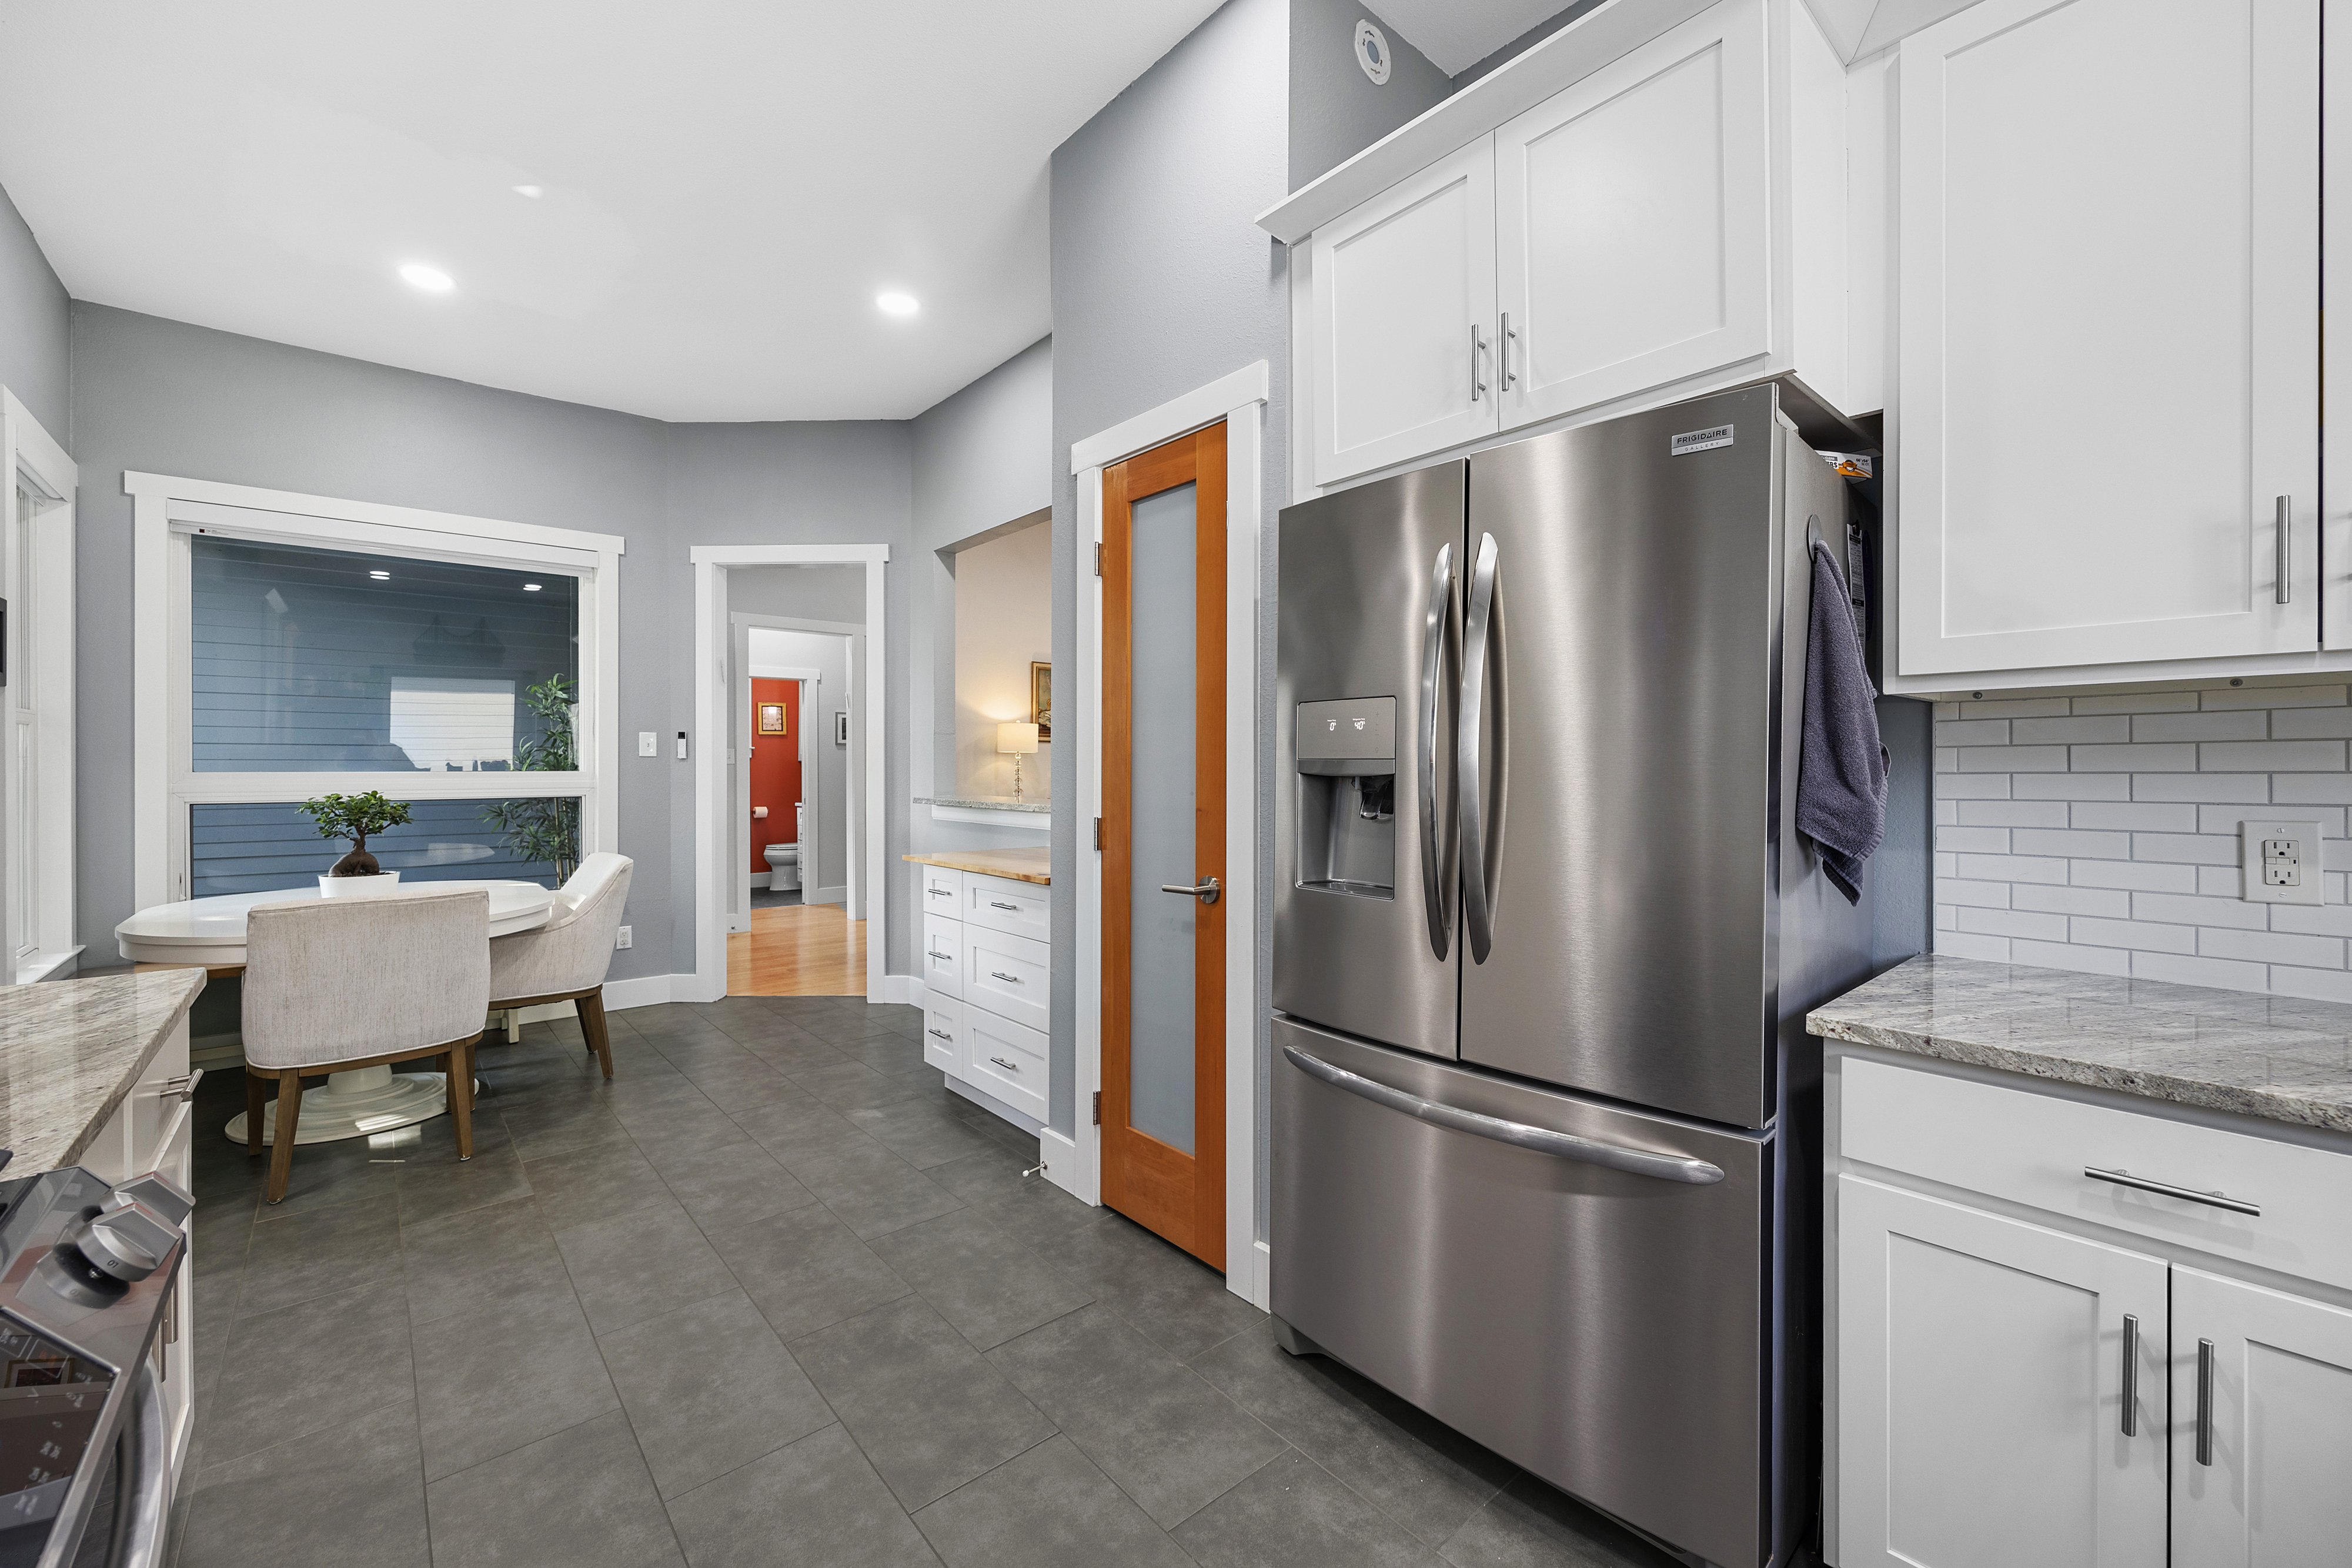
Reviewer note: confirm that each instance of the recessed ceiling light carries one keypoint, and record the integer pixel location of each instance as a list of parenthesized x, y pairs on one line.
[(530, 588), (431, 279), (533, 192), (897, 304), (381, 576)]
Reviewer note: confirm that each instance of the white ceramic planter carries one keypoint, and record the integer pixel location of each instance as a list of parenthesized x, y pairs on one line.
[(377, 886)]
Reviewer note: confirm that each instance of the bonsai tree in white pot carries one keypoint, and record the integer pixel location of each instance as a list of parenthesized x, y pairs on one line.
[(354, 817)]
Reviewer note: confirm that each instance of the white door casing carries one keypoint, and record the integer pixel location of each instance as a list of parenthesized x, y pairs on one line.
[(1632, 216), (36, 579), (2109, 364), (1403, 298), (1980, 1389)]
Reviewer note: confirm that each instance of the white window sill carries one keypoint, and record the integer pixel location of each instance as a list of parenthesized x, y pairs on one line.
[(45, 966)]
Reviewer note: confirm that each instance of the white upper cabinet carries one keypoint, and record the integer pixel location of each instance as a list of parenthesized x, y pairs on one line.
[(1403, 320), (2107, 415), (1632, 222)]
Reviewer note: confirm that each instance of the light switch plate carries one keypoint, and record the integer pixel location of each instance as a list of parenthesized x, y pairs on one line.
[(2281, 861), (648, 743)]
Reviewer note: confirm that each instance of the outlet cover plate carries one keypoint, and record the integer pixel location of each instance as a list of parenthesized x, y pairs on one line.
[(2281, 861)]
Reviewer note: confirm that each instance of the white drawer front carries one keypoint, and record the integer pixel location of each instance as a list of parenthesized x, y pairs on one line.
[(1017, 908), (1007, 1061), (2033, 1149), (1010, 976), (943, 891), (943, 1033), (943, 955)]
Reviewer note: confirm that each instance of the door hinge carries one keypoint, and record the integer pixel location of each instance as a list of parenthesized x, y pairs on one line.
[(1098, 560), (1097, 1107), (1097, 832)]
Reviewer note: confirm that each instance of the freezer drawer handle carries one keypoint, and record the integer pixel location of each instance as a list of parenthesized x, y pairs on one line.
[(1432, 661), (1542, 1140), (2166, 1189)]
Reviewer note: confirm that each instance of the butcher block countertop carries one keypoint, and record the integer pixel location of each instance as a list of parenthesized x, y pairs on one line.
[(1020, 866)]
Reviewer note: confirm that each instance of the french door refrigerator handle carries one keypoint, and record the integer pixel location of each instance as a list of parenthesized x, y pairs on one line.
[(1477, 918), (1432, 661), (1542, 1140)]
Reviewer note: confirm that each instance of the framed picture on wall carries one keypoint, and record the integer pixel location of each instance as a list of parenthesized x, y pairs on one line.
[(771, 719), (1041, 698)]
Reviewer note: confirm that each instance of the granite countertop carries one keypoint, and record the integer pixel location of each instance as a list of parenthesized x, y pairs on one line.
[(989, 803), (70, 1051), (1021, 865), (2281, 1058)]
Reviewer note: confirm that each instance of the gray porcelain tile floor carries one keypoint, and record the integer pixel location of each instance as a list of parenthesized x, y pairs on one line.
[(772, 1295)]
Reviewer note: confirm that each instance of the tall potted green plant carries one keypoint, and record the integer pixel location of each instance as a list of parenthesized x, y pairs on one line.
[(354, 818), (545, 829)]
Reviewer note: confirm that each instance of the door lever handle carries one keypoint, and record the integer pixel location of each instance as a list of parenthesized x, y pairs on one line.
[(1206, 893)]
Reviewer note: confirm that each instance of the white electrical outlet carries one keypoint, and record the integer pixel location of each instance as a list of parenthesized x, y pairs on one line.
[(648, 743), (2282, 862), (624, 937)]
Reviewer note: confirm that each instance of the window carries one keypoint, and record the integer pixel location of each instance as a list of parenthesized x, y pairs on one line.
[(37, 705), (316, 646)]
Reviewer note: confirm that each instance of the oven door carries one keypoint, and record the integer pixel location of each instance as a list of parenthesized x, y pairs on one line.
[(1578, 1285), (108, 1510)]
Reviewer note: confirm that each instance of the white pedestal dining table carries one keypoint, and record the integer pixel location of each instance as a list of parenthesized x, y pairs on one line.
[(357, 1105)]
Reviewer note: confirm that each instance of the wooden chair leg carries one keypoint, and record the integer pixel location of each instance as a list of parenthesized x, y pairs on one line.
[(281, 1138), (591, 1008), (254, 1105), (461, 1097)]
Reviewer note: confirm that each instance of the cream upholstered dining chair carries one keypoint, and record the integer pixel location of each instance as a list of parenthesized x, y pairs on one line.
[(565, 959), (336, 984)]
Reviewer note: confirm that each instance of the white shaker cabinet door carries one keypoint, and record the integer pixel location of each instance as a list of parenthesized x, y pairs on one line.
[(2106, 446), (1403, 320), (1982, 1380), (1633, 244), (2261, 1426)]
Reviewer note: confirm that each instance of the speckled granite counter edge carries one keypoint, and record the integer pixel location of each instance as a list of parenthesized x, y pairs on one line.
[(30, 1158)]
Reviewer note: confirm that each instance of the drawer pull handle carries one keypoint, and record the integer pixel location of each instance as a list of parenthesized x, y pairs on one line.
[(2131, 1375), (180, 1089), (1542, 1140), (2205, 1402), (2166, 1189), (942, 893), (938, 1034), (1009, 908), (1000, 975), (943, 958), (1004, 1064)]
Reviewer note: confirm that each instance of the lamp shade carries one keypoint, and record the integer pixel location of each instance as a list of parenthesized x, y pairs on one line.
[(1018, 738)]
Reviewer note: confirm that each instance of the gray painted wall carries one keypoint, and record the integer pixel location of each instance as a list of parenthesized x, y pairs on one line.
[(34, 362), (1336, 111), (1525, 41), (1162, 284)]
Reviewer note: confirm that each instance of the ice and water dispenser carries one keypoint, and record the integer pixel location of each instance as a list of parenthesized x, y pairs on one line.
[(1347, 759)]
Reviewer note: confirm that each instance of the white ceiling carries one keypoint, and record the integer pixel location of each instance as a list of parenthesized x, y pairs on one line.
[(728, 183), (1457, 34)]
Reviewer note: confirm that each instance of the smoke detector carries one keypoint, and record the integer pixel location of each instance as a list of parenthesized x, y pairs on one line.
[(1372, 51)]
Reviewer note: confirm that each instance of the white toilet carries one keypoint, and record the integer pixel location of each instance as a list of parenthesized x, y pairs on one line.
[(784, 861)]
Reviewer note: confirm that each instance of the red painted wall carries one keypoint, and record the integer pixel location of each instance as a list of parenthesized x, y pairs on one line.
[(775, 769)]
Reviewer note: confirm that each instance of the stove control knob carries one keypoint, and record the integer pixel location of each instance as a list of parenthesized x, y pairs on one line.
[(127, 1243)]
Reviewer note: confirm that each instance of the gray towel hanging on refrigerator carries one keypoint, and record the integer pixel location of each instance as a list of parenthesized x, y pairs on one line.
[(1841, 775)]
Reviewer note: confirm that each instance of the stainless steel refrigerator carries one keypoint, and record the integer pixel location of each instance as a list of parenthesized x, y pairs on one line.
[(1544, 938)]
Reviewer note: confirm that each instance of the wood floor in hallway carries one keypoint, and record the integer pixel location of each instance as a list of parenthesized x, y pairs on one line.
[(798, 950)]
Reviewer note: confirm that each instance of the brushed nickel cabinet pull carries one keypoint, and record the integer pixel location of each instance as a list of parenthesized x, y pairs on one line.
[(2131, 1375)]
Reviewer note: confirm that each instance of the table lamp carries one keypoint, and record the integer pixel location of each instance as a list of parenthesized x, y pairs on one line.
[(1017, 740)]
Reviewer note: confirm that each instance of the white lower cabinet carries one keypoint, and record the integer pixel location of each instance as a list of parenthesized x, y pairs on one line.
[(1983, 1366), (2093, 1390), (1006, 1059), (987, 986), (2261, 1426), (943, 1033)]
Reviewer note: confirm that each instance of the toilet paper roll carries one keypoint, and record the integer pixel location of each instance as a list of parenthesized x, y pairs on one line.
[(759, 811)]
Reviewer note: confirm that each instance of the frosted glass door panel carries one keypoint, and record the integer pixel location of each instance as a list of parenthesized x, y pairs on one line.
[(1160, 1082)]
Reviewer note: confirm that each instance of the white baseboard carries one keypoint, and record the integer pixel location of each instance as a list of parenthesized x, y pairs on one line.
[(760, 878), (993, 1106), (1061, 1156), (1255, 1283), (906, 989), (647, 991)]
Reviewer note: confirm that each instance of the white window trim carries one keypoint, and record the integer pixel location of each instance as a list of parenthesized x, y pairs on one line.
[(167, 510), (1074, 1163), (26, 448)]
